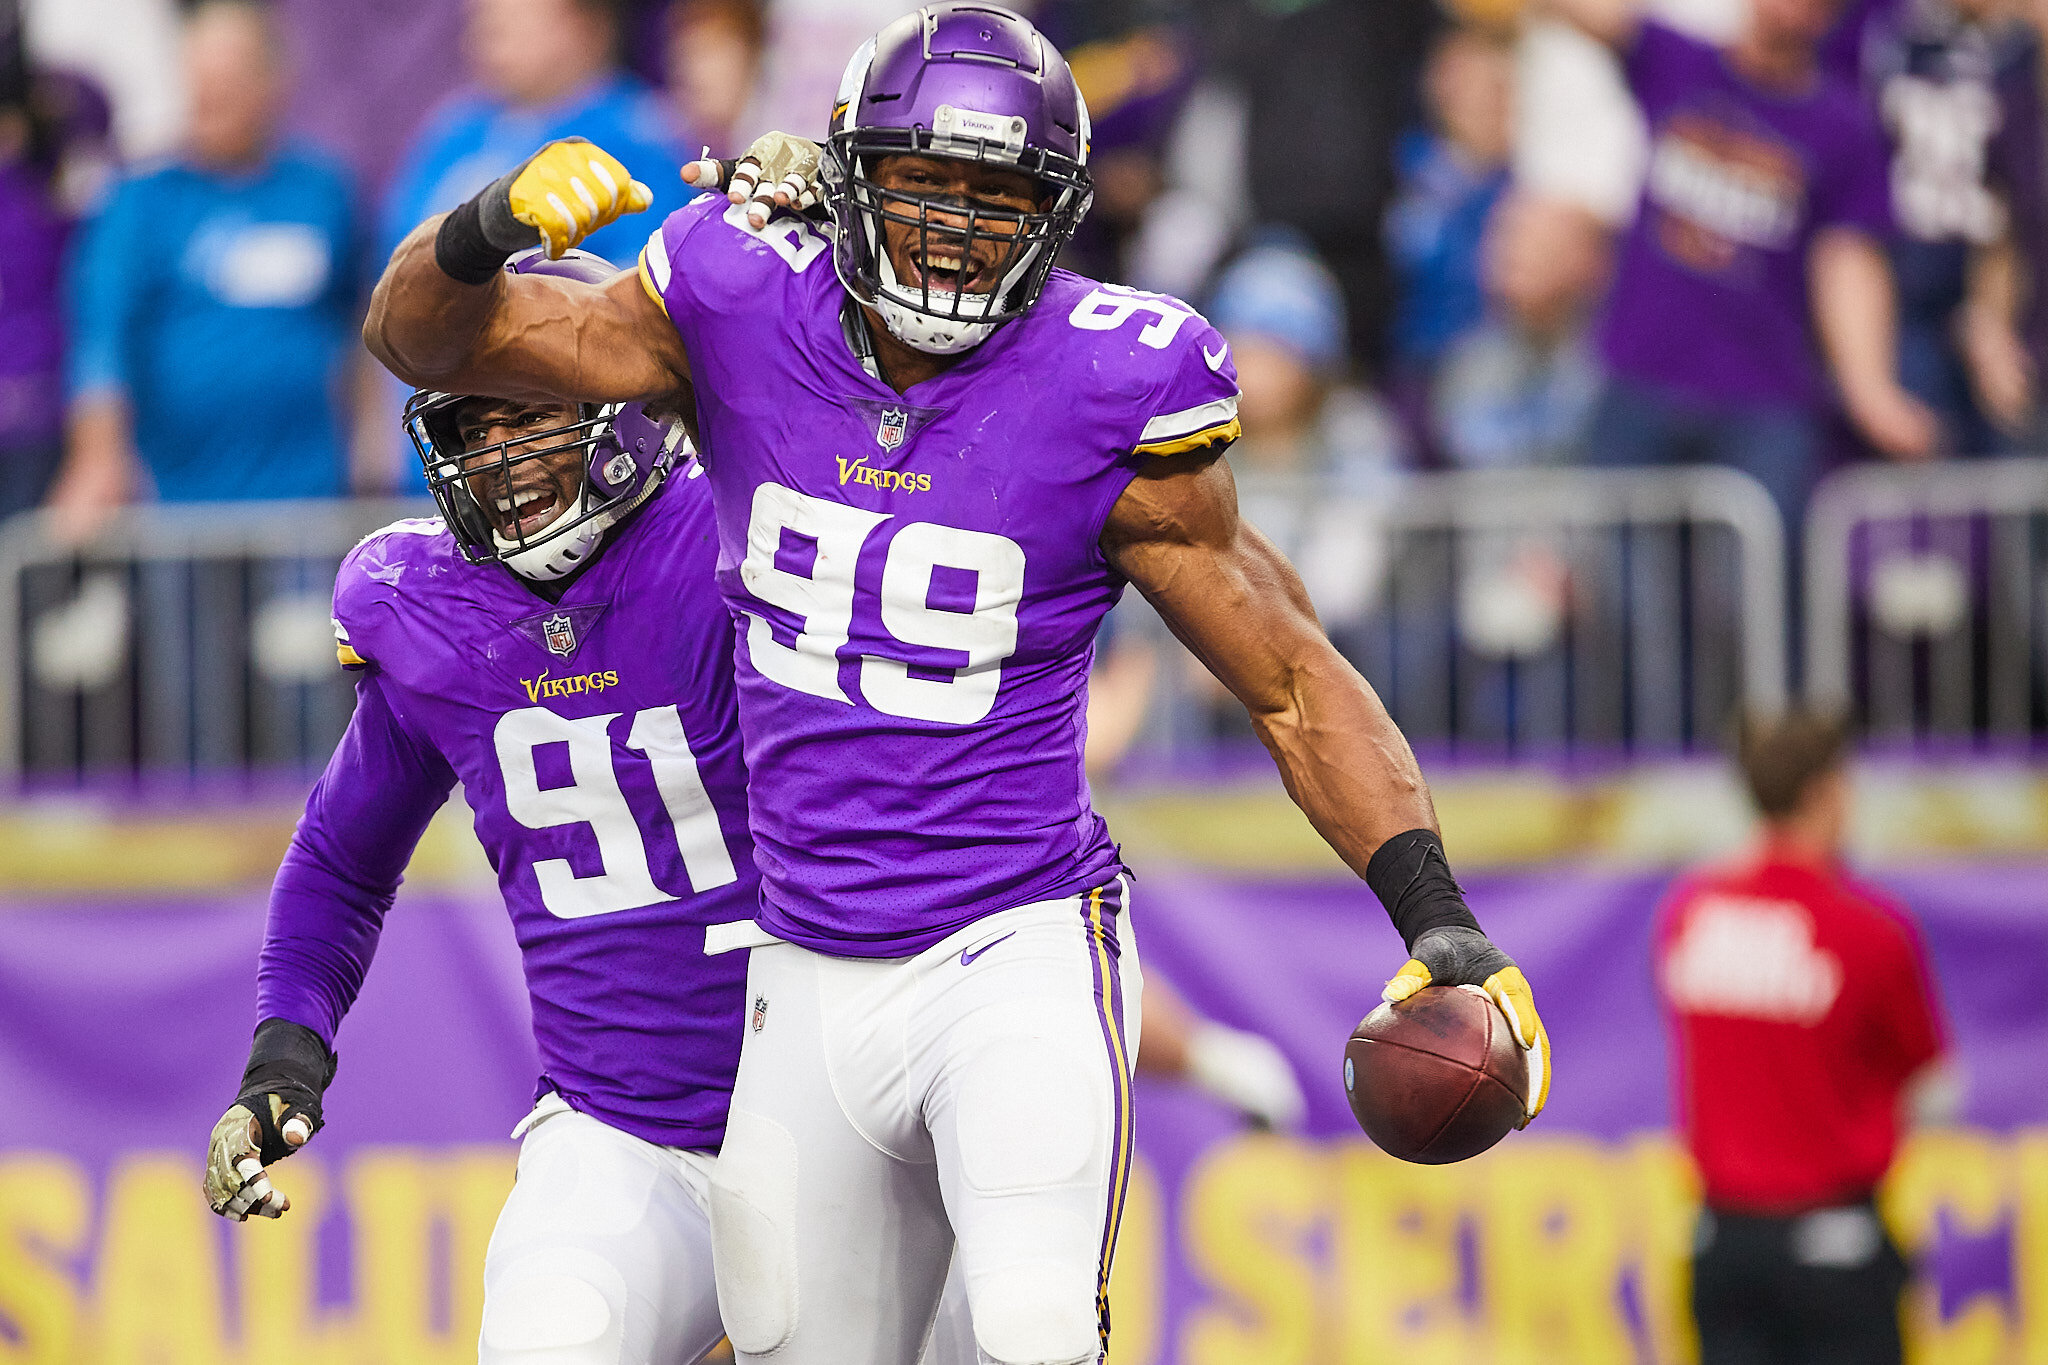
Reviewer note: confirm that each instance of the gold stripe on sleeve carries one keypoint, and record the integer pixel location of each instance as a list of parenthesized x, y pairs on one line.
[(647, 283), (1221, 434)]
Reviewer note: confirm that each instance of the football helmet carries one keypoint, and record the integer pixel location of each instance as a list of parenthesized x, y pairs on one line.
[(977, 83), (626, 456)]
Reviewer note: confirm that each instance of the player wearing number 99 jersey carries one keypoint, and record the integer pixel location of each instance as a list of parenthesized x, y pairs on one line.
[(936, 462)]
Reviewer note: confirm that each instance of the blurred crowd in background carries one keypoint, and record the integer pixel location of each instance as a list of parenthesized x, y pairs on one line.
[(1777, 234)]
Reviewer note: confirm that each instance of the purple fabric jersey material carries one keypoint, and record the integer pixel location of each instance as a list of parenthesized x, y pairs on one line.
[(1710, 293), (919, 575), (597, 743)]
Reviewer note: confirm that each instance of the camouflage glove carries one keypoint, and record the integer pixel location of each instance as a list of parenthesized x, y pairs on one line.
[(277, 1113), (779, 171)]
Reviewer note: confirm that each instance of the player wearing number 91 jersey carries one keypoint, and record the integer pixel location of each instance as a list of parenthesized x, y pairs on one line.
[(554, 644)]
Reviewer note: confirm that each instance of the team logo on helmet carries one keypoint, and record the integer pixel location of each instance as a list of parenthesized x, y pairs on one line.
[(560, 633), (889, 431)]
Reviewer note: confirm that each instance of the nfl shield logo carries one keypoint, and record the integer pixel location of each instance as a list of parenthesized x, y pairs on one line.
[(760, 1012), (889, 434), (560, 634)]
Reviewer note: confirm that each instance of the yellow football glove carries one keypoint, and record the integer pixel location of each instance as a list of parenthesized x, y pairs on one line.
[(1459, 954), (569, 189)]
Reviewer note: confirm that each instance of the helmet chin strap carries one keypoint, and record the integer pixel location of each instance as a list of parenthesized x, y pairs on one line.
[(560, 555), (933, 333)]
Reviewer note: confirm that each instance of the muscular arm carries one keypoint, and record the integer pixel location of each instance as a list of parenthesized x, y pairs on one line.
[(521, 336), (1239, 605)]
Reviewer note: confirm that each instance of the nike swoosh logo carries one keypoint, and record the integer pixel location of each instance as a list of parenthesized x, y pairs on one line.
[(967, 958), (1216, 361)]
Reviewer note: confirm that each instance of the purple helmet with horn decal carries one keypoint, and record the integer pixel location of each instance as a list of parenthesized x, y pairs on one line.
[(971, 82), (625, 457)]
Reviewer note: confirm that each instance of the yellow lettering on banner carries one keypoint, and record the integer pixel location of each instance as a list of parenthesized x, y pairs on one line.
[(159, 1268), (45, 1212), (2030, 1246), (1664, 1204), (276, 1262), (1553, 1255), (1249, 1209), (1398, 1267), (398, 1198), (1963, 1173), (1137, 1279)]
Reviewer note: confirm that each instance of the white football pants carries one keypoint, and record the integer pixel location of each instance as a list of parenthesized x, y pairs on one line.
[(885, 1107), (602, 1254)]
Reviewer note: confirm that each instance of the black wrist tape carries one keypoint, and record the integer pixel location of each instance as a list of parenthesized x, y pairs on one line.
[(1412, 878), (462, 251), (288, 1061), (478, 238)]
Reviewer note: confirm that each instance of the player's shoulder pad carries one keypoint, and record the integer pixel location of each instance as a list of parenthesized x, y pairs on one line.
[(707, 255), (1159, 355), (366, 586)]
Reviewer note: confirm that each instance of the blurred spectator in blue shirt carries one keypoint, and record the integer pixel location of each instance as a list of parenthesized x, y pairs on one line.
[(1317, 456), (212, 302), (1519, 388), (542, 69), (1451, 175)]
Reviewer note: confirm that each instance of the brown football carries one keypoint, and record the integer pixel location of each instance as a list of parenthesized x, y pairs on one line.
[(1438, 1077)]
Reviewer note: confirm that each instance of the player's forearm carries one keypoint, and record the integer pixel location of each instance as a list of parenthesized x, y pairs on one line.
[(424, 325), (1341, 757)]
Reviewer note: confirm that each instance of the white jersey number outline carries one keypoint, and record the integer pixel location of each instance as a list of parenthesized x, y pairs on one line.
[(823, 601), (595, 798)]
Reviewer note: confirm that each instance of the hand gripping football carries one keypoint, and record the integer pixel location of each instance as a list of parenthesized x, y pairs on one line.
[(1437, 1077)]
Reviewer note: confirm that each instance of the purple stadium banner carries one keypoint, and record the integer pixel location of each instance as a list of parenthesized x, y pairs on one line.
[(123, 1027)]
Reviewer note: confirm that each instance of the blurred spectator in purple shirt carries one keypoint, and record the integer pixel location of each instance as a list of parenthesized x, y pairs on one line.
[(51, 124), (1958, 84), (1760, 232)]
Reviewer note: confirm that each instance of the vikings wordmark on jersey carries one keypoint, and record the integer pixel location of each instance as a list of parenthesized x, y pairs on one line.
[(919, 576)]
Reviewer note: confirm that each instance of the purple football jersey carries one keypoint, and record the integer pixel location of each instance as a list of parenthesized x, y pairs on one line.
[(597, 742), (919, 576)]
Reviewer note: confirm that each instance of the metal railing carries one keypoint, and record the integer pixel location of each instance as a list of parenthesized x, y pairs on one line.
[(1927, 600), (1502, 612), (189, 638), (1534, 611)]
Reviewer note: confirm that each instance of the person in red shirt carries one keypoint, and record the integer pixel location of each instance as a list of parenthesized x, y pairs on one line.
[(1803, 1019)]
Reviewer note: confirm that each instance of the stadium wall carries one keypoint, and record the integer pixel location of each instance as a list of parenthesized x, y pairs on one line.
[(123, 1025)]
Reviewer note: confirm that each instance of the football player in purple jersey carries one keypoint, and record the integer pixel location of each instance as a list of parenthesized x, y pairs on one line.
[(936, 460), (552, 643)]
